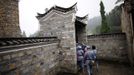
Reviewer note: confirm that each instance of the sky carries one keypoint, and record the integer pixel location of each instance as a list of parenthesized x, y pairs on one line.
[(28, 10)]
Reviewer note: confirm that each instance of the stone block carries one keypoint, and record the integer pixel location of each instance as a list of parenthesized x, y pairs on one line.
[(6, 57), (14, 55), (20, 54), (25, 61)]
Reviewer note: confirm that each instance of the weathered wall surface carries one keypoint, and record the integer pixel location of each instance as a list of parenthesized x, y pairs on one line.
[(60, 24), (35, 60), (9, 19), (111, 47), (127, 27)]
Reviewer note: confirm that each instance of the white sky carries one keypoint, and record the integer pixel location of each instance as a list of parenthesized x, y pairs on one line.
[(28, 10)]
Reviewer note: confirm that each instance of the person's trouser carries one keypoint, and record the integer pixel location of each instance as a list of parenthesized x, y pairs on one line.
[(81, 64), (90, 69)]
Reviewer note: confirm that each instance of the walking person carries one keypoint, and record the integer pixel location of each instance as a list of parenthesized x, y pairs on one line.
[(95, 56), (89, 60), (80, 58), (83, 47)]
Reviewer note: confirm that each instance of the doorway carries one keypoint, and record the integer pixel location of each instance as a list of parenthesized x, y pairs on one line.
[(80, 32)]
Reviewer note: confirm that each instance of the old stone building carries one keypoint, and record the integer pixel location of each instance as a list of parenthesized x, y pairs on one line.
[(127, 24), (55, 50), (64, 24), (58, 19), (9, 19)]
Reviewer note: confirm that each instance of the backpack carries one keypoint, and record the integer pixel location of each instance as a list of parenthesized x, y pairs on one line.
[(80, 53)]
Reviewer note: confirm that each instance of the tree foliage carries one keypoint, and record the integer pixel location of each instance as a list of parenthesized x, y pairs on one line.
[(114, 19), (97, 30), (104, 26), (23, 34), (92, 24)]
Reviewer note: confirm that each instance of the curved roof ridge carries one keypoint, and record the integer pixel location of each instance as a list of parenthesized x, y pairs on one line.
[(67, 7), (84, 17), (62, 9)]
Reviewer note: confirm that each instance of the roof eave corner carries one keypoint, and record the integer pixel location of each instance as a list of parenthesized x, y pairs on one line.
[(86, 19), (75, 7), (38, 16)]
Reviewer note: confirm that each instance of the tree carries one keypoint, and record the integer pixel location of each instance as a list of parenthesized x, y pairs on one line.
[(104, 27), (36, 34), (97, 30), (23, 34), (114, 20)]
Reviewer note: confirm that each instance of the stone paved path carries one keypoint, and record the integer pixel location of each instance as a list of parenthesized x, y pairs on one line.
[(114, 69), (108, 68)]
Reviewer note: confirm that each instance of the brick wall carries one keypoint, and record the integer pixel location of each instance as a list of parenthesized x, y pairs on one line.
[(112, 47), (34, 60)]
